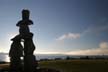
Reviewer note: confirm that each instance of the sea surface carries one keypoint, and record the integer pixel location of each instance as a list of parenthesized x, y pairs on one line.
[(5, 58)]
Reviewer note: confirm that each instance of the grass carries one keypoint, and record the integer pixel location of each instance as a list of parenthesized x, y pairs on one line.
[(72, 65), (4, 66), (77, 65)]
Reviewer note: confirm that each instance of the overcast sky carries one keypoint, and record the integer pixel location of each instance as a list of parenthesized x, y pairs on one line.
[(60, 26)]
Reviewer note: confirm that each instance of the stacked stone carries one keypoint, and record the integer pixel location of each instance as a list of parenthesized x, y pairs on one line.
[(26, 51)]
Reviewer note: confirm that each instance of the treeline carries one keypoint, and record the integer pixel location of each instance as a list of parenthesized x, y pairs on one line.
[(78, 57), (87, 57)]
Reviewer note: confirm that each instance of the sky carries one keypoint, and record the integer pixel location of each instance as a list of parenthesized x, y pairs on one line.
[(71, 27)]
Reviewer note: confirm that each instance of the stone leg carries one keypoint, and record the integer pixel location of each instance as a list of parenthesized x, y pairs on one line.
[(29, 59), (29, 63), (15, 64)]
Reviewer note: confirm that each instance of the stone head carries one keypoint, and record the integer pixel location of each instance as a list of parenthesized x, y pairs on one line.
[(25, 14)]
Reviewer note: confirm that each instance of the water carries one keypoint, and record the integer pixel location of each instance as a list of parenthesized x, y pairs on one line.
[(4, 56)]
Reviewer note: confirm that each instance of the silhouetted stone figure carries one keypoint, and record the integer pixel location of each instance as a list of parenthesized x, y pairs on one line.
[(15, 54), (17, 49), (29, 59)]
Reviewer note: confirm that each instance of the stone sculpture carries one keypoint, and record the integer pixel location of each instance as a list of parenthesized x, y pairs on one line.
[(18, 50)]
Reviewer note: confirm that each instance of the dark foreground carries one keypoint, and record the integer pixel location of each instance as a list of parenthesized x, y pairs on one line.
[(77, 65), (69, 66)]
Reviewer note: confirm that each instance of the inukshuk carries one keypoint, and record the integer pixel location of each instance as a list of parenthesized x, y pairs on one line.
[(26, 50)]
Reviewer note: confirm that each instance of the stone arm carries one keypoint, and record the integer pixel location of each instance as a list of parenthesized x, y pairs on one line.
[(28, 22)]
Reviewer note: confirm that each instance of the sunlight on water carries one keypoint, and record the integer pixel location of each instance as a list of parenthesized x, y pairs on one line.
[(6, 58)]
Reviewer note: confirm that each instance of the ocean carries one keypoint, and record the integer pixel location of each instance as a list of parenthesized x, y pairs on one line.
[(4, 56)]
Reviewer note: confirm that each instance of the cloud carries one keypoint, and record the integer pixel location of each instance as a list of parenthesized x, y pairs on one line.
[(69, 36), (97, 28), (103, 49), (46, 52), (88, 52), (104, 45)]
